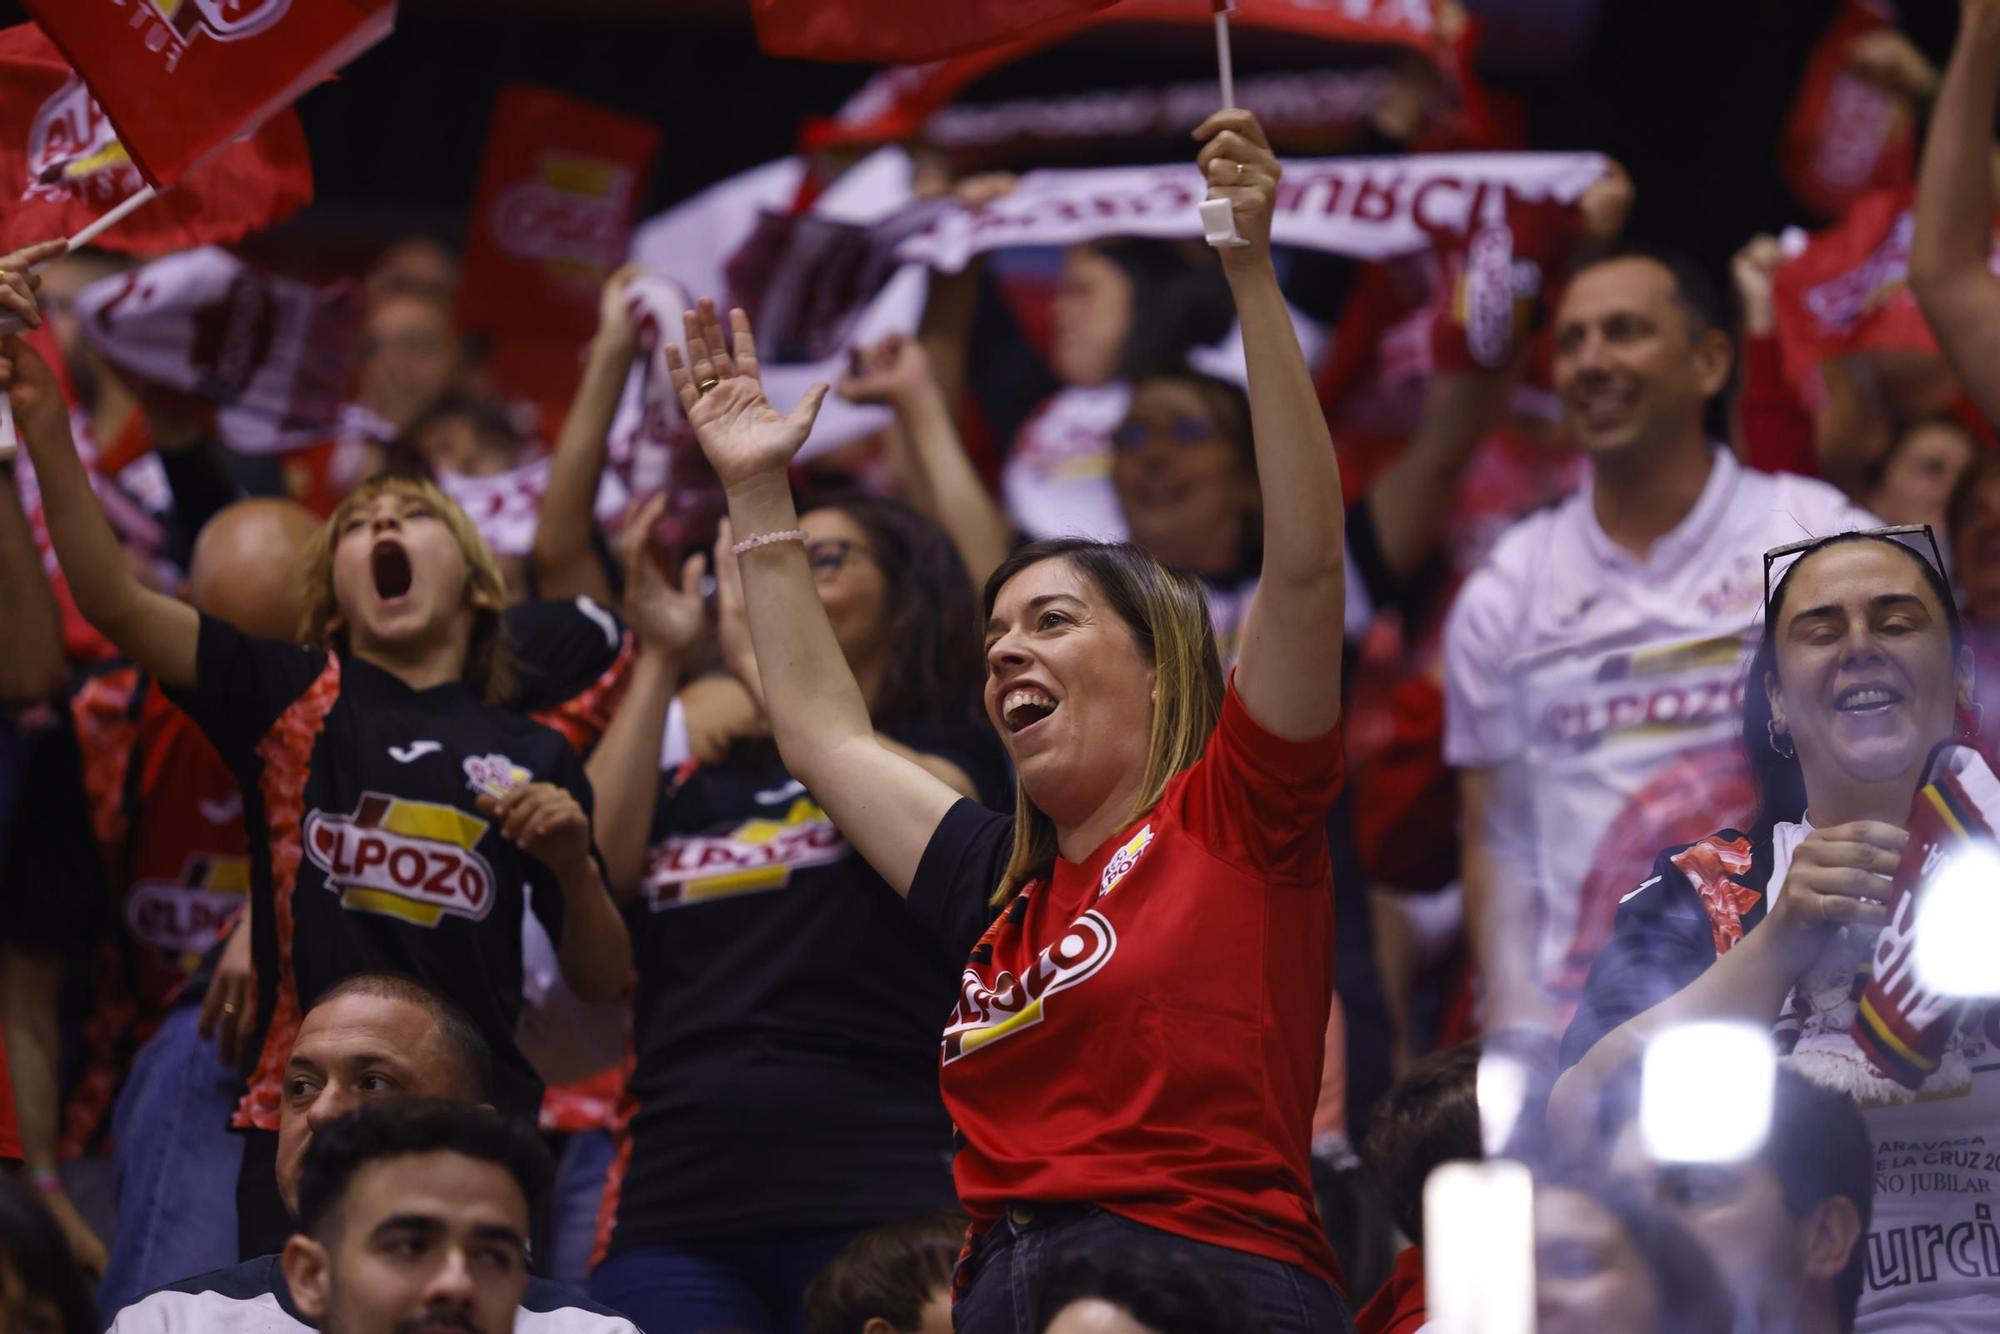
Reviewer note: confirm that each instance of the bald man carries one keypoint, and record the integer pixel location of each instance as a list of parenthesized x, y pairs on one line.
[(245, 567)]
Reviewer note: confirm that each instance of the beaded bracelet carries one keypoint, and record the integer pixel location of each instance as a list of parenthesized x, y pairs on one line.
[(766, 539)]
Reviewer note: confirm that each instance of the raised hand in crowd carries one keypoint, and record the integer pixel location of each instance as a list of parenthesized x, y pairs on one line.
[(897, 371), (1949, 269), (1754, 272), (565, 560), (671, 622), (156, 631)]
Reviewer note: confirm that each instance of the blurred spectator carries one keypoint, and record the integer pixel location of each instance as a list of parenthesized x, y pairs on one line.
[(1119, 306), (1139, 1288), (1605, 1260), (1593, 659), (464, 434), (1783, 1227), (1913, 483), (410, 358), (894, 1279), (415, 1215), (173, 994), (1973, 520), (1863, 672), (42, 1288), (755, 1151), (415, 266), (1430, 1117)]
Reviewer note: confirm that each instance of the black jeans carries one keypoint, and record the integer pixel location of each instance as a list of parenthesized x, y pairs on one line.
[(1009, 1262)]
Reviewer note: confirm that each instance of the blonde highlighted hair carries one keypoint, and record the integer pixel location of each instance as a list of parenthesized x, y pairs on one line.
[(488, 670), (1167, 613)]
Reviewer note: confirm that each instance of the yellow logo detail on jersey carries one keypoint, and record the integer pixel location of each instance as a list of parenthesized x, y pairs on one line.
[(755, 856), (1123, 860), (408, 859), (1671, 687), (183, 916), (984, 1015)]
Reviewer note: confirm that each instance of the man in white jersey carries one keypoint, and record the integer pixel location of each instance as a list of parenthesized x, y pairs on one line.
[(1595, 662)]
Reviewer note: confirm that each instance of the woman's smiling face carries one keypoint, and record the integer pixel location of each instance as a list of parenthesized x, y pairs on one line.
[(1867, 681), (1069, 689)]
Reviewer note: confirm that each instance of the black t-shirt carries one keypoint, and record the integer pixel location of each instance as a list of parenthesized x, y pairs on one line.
[(787, 1018), (367, 851)]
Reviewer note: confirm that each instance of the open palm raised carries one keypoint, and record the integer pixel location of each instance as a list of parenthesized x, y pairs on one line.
[(742, 435)]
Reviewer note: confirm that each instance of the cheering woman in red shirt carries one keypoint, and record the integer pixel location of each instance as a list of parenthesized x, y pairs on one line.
[(1137, 1040)]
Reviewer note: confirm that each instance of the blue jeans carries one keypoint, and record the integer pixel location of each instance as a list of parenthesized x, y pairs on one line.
[(1012, 1258), (177, 1163), (746, 1287), (574, 1203)]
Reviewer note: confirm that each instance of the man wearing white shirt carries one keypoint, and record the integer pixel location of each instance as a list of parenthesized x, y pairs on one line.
[(1595, 662)]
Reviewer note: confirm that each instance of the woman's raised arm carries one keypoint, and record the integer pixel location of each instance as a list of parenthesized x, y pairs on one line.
[(1288, 671), (157, 632), (888, 806)]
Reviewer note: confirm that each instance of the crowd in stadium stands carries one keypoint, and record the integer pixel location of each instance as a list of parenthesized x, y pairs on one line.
[(1242, 772)]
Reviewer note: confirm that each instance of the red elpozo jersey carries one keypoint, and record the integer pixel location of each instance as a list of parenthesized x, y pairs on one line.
[(367, 850), (1144, 1031)]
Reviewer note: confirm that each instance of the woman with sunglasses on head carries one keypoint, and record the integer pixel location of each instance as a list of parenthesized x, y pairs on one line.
[(784, 1094), (1862, 672), (1137, 1041)]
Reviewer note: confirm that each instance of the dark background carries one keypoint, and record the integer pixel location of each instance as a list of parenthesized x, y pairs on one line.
[(1690, 94)]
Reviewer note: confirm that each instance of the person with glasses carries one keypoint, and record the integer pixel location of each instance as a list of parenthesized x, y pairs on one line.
[(1861, 673), (784, 1094), (1593, 661)]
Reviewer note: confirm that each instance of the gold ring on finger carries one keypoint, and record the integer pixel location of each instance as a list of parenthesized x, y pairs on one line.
[(228, 1007), (706, 385)]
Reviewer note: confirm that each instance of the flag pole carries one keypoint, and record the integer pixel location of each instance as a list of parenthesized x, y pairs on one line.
[(10, 439), (1222, 58), (1218, 219), (145, 194)]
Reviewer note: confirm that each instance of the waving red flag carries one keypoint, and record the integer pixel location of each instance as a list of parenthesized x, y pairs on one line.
[(181, 79), (902, 32), (61, 165), (895, 31)]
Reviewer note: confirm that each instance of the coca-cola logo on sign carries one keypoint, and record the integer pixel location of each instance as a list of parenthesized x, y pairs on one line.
[(538, 221)]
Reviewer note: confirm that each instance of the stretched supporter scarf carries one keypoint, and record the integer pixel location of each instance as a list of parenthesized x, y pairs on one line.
[(1847, 289), (505, 507), (1364, 208), (273, 354), (698, 248), (1865, 1022)]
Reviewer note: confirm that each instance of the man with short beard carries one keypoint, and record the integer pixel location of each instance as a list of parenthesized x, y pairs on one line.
[(414, 1218), (373, 1038)]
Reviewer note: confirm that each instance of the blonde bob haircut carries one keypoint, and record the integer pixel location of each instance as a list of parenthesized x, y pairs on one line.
[(488, 671), (1167, 613)]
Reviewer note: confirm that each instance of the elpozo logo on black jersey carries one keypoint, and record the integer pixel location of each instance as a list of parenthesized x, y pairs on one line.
[(984, 1015), (408, 859), (752, 857)]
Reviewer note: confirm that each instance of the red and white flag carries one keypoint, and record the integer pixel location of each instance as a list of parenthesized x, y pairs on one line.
[(182, 79), (1846, 136), (561, 182), (62, 165), (273, 354), (1847, 290)]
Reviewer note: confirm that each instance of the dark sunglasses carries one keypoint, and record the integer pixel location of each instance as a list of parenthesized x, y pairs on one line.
[(1182, 430), (1903, 534)]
